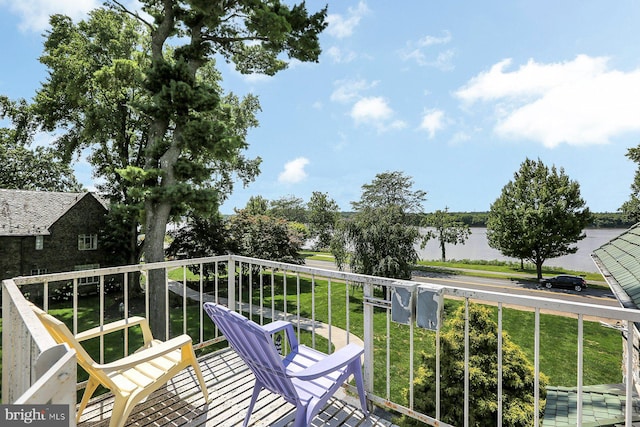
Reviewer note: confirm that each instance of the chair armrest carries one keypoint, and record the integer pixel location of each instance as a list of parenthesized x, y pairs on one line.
[(336, 360), (112, 327), (146, 354), (279, 325)]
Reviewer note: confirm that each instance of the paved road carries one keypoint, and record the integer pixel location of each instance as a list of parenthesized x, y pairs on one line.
[(594, 295)]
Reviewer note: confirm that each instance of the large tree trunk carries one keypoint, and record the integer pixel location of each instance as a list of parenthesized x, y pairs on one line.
[(157, 215), (442, 251), (157, 209)]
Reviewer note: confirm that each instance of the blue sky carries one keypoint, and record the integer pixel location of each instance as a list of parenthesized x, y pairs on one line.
[(454, 94)]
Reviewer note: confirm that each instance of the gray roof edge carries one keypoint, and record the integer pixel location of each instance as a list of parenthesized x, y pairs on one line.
[(623, 298)]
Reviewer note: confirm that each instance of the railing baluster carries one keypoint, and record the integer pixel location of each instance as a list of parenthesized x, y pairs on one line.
[(438, 373), (298, 300), (101, 297), (329, 315), (388, 354), (580, 367), (167, 330), (75, 305), (466, 362), (629, 388), (184, 299), (261, 295), (346, 286), (536, 385), (499, 364), (201, 293), (125, 297), (313, 311)]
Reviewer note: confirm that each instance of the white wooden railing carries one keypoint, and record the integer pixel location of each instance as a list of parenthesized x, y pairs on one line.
[(35, 369), (270, 289)]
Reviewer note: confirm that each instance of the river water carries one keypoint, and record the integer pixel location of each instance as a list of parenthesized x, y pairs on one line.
[(477, 248)]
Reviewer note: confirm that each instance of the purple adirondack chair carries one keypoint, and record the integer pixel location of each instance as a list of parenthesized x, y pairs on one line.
[(305, 377)]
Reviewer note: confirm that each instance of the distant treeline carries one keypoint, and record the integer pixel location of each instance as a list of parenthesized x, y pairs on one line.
[(479, 219)]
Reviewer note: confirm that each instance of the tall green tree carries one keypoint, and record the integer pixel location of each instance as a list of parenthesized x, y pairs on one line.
[(447, 229), (96, 70), (518, 379), (257, 205), (323, 215), (25, 168), (631, 208), (539, 215), (191, 137), (378, 239), (264, 237), (291, 208)]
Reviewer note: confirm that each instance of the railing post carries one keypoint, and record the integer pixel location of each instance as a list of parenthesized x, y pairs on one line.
[(368, 338), (231, 282)]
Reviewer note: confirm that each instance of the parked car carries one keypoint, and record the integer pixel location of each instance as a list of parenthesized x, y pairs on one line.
[(576, 283)]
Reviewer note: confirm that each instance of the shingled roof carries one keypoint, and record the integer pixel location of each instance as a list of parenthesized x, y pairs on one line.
[(619, 262), (29, 213)]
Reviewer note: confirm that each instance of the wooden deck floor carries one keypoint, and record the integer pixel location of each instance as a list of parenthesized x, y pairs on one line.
[(230, 384)]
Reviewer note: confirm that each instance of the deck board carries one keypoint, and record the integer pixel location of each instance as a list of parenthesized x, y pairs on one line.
[(230, 384)]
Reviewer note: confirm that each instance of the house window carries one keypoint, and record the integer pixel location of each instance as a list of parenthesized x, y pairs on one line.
[(37, 271), (39, 243), (87, 242), (87, 280)]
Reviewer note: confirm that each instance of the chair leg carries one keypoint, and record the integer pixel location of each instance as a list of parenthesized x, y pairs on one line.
[(120, 412), (203, 386), (357, 374), (257, 388), (92, 385), (301, 417)]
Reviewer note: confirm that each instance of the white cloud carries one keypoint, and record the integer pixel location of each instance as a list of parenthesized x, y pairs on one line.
[(376, 112), (34, 14), (294, 171), (341, 27), (418, 51), (341, 56), (578, 102), (432, 121), (349, 90), (373, 109), (432, 40)]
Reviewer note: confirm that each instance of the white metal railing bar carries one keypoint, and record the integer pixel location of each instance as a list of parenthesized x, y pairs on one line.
[(500, 364), (580, 367), (466, 362), (629, 377), (313, 309), (536, 364), (329, 314)]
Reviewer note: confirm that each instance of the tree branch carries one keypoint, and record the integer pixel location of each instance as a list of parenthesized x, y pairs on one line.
[(136, 15)]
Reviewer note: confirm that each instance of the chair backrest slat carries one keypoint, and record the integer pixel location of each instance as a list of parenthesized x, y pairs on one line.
[(256, 348)]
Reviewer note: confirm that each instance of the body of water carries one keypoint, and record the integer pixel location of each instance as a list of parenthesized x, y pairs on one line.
[(477, 248)]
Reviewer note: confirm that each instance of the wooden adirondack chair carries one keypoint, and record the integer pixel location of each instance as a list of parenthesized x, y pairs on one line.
[(305, 377), (132, 378)]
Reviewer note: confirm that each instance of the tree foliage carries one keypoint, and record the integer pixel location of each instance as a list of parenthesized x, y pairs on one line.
[(264, 237), (539, 215), (323, 215), (631, 208), (291, 208), (147, 90), (24, 168), (378, 238), (257, 205), (518, 376), (447, 229)]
